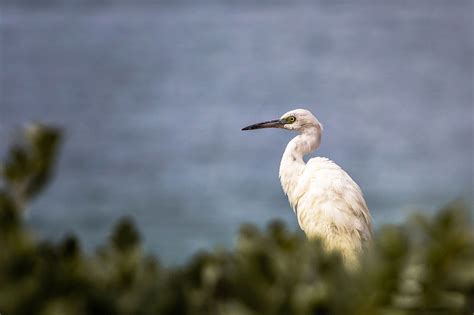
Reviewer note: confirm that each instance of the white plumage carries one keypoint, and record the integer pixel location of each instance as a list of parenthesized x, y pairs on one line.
[(325, 199)]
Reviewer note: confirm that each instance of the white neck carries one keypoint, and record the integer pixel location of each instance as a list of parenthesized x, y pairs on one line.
[(292, 163)]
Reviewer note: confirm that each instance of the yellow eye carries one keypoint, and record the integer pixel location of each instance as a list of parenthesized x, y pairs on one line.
[(290, 119)]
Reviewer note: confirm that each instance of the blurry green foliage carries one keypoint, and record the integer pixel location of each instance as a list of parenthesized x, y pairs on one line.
[(425, 266)]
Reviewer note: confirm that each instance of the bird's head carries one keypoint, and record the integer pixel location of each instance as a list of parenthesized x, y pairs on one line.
[(297, 119)]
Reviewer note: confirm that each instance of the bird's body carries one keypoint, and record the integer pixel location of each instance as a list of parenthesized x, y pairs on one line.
[(328, 204)]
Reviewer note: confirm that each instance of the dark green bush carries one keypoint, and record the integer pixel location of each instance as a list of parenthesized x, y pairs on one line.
[(425, 266)]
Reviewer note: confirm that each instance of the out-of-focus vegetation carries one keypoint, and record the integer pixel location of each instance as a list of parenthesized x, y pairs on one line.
[(425, 266)]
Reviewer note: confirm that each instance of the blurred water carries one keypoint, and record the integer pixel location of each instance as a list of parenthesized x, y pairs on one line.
[(153, 98)]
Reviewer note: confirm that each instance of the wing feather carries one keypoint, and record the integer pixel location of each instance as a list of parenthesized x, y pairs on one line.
[(331, 205)]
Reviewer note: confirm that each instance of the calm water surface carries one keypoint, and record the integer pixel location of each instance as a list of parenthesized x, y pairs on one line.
[(153, 98)]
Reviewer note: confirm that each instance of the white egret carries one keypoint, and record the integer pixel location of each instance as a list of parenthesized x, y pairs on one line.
[(327, 202)]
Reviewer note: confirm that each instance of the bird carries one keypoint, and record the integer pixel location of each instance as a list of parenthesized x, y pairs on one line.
[(328, 203)]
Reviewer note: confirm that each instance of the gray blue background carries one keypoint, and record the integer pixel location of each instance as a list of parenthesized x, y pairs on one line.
[(152, 96)]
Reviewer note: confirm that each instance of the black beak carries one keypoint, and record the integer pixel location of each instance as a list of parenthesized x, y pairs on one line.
[(277, 123)]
